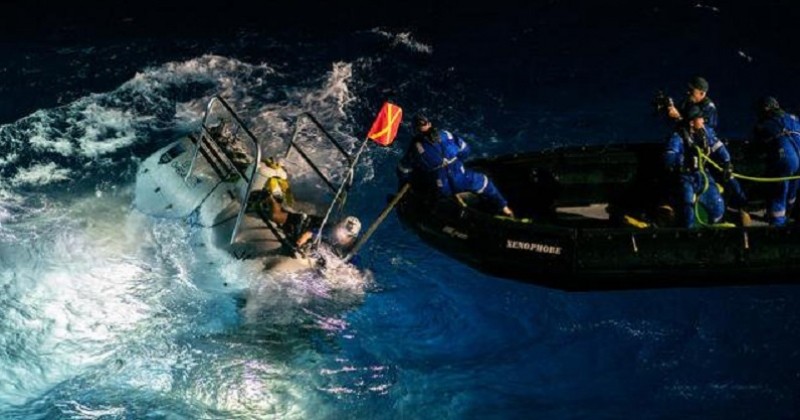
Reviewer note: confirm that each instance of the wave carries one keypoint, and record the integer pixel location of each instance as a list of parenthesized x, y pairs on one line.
[(97, 295), (404, 39)]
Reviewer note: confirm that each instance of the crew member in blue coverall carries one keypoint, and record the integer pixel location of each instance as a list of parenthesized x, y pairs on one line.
[(697, 95), (779, 132), (433, 161), (706, 138), (691, 183)]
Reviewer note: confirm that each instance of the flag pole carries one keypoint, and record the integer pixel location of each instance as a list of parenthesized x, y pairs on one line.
[(347, 178), (378, 221), (389, 130)]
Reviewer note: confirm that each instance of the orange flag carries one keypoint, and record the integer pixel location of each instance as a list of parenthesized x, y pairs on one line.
[(384, 129)]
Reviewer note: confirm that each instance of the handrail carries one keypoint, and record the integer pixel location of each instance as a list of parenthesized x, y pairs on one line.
[(200, 140), (308, 160), (246, 194), (256, 162), (252, 176), (305, 157), (241, 124), (332, 140)]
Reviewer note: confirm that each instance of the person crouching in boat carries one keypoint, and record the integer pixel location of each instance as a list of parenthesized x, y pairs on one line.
[(274, 203), (706, 139), (433, 162), (694, 188), (779, 133)]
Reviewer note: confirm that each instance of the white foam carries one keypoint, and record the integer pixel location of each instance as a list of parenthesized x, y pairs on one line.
[(307, 296), (40, 174), (330, 101), (93, 287), (9, 159), (75, 296), (105, 130), (708, 7), (405, 39)]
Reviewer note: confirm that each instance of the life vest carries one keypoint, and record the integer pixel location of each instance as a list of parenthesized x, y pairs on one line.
[(277, 183)]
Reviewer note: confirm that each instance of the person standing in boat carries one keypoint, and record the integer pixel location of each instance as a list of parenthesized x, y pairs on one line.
[(778, 132), (693, 184), (697, 95), (433, 162), (697, 102)]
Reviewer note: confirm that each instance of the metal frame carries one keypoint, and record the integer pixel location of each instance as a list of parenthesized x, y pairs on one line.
[(248, 177), (205, 134), (305, 157)]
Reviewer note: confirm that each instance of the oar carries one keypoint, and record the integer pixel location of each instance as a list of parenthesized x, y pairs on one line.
[(377, 221)]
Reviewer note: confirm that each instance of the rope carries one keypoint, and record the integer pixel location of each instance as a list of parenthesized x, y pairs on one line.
[(746, 177), (705, 188)]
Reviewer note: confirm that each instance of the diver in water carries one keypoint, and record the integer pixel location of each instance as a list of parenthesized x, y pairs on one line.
[(344, 235), (341, 237)]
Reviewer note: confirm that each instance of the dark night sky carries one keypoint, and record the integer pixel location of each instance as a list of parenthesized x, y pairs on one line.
[(51, 20), (48, 20)]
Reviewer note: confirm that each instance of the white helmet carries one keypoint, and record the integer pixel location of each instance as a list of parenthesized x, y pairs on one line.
[(347, 230), (352, 225)]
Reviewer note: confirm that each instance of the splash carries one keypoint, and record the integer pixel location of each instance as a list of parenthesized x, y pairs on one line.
[(93, 131), (405, 39), (41, 174), (70, 295), (331, 101), (312, 298), (101, 296)]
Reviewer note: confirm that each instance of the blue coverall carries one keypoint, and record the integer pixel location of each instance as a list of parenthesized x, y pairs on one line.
[(710, 114), (718, 152), (692, 184), (434, 161), (780, 132)]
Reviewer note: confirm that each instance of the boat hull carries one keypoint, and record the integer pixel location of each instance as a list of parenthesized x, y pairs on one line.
[(592, 253)]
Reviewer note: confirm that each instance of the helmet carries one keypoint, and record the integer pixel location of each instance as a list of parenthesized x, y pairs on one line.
[(698, 83), (693, 112), (347, 230), (767, 104), (352, 225), (420, 120)]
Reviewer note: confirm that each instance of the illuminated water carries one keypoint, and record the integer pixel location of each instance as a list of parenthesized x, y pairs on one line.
[(109, 313)]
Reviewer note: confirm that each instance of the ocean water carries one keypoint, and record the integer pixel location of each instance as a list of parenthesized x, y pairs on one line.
[(109, 313)]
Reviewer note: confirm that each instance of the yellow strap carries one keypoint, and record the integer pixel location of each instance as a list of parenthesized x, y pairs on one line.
[(635, 222), (723, 225), (522, 220)]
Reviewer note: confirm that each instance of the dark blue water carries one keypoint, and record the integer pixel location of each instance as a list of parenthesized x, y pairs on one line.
[(108, 313)]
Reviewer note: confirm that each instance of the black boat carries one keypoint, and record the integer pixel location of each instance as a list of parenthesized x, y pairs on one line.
[(572, 203)]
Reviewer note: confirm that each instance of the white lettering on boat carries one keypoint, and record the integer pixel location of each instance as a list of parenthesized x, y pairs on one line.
[(532, 246), (454, 233)]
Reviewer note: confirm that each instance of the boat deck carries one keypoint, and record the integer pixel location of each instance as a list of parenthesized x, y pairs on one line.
[(597, 214)]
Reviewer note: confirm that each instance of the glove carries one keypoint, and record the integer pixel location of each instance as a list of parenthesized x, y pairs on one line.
[(727, 172)]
